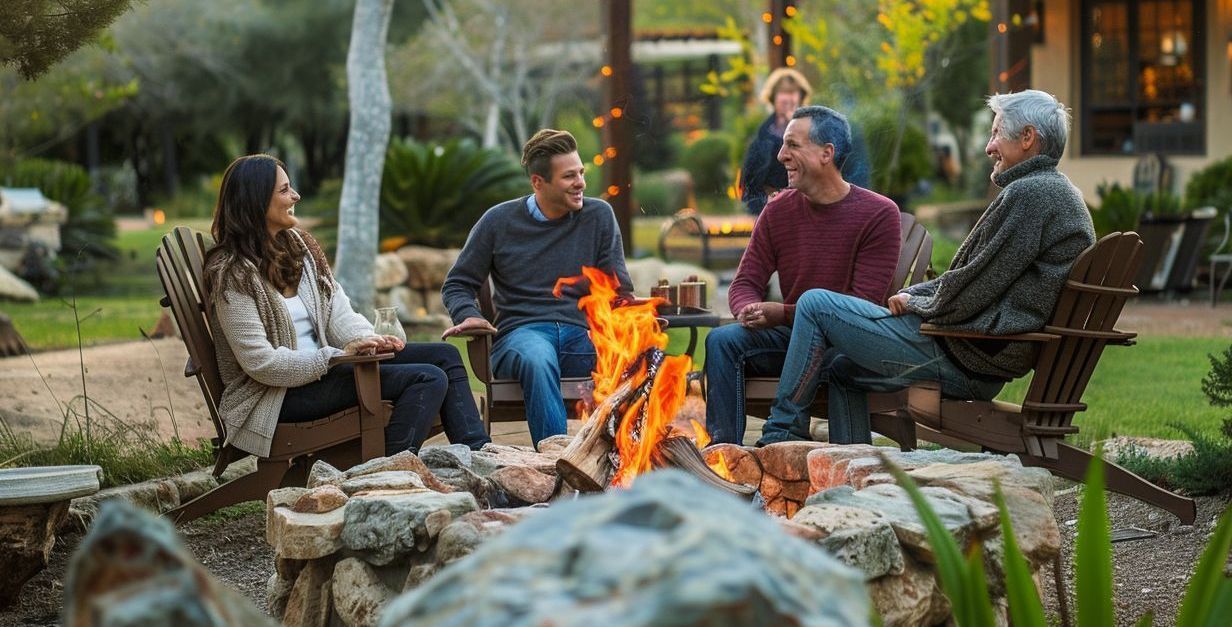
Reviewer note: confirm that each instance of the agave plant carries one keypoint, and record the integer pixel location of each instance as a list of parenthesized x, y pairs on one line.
[(1207, 602), (432, 194)]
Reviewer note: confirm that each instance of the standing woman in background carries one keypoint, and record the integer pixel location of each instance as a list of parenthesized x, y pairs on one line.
[(278, 317), (762, 175)]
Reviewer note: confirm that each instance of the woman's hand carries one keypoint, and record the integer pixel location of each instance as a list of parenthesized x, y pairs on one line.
[(390, 344), (370, 345)]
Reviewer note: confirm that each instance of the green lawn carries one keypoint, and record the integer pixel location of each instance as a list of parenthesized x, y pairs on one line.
[(124, 294)]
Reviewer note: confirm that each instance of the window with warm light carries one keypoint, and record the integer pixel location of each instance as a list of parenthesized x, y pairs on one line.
[(1142, 77)]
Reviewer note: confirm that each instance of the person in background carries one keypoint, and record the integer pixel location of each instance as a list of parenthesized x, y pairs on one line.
[(278, 317), (762, 175)]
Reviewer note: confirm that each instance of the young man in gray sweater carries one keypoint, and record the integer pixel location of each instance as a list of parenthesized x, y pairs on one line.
[(525, 245), (1005, 279)]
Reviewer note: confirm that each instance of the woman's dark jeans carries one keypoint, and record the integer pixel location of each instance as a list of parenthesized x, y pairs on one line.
[(422, 380)]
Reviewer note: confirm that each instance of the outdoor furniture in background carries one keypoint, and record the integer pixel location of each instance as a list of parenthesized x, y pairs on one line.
[(1082, 325), (913, 260), (1221, 255), (343, 439), (708, 241), (1172, 248)]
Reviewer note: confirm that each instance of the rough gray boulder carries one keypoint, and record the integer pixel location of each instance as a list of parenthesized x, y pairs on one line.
[(668, 551)]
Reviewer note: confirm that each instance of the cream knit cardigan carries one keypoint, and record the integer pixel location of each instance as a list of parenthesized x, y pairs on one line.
[(257, 357)]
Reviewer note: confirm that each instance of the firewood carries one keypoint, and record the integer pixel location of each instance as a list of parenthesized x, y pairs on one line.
[(680, 452), (585, 465)]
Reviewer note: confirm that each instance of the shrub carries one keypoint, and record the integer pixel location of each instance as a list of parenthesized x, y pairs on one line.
[(1211, 186), (914, 157), (90, 228), (708, 161), (1118, 209), (432, 194), (1208, 469), (661, 193)]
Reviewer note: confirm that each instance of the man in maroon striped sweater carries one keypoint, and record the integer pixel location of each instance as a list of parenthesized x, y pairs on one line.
[(821, 232)]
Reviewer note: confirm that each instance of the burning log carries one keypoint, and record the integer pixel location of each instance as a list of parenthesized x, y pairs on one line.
[(680, 452)]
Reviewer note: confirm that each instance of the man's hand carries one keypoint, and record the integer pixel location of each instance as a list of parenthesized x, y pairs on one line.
[(762, 316), (898, 304), (390, 344), (471, 326)]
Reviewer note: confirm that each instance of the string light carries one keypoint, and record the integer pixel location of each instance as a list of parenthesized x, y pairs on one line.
[(1001, 28), (606, 70), (766, 17), (597, 122), (598, 160), (617, 112), (790, 61), (778, 40), (613, 190), (610, 152), (790, 11)]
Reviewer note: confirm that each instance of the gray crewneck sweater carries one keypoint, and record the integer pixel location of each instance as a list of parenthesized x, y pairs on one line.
[(1008, 273), (525, 257)]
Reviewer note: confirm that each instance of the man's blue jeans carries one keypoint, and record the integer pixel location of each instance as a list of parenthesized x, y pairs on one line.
[(538, 355), (857, 347), (732, 353)]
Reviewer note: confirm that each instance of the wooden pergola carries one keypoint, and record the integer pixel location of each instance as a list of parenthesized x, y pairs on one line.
[(618, 96)]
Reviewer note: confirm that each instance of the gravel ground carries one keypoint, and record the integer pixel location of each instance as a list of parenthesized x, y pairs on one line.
[(1151, 574)]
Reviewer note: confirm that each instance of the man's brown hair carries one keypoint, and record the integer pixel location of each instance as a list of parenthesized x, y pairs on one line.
[(538, 152)]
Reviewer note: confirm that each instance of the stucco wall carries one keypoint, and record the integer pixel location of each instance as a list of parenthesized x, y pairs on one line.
[(1056, 66)]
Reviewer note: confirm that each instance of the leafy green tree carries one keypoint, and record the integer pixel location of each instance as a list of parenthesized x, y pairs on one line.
[(37, 34), (958, 79)]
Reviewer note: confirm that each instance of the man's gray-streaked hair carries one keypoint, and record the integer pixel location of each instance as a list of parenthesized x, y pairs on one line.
[(828, 127), (1037, 109)]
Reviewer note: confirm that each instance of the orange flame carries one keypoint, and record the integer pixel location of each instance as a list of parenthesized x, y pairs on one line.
[(720, 467), (621, 336)]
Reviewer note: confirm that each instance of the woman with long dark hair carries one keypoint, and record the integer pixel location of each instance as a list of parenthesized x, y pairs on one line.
[(278, 316)]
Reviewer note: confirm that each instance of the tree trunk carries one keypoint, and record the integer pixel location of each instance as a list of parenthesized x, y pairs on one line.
[(368, 93)]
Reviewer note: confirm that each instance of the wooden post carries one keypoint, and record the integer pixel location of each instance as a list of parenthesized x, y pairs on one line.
[(617, 132), (779, 41)]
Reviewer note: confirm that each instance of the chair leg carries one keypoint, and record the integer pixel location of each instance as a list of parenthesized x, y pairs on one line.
[(1072, 463), (897, 426), (250, 487)]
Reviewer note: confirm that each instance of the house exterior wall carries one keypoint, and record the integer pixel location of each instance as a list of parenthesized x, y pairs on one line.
[(1056, 67)]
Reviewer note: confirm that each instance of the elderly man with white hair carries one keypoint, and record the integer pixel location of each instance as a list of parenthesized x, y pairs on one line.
[(1004, 279)]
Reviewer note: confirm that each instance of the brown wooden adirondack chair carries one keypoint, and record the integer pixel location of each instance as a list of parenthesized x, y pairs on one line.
[(342, 439), (1082, 324), (913, 260), (502, 400)]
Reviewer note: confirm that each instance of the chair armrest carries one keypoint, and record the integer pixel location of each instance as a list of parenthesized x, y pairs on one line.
[(358, 359), (372, 415), (479, 353), (933, 330)]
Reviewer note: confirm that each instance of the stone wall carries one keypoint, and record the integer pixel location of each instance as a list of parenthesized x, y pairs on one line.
[(352, 541)]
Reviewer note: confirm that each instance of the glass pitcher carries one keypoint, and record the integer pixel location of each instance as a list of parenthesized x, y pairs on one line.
[(387, 323)]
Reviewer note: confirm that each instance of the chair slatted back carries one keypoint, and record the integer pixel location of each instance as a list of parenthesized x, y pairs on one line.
[(180, 261), (1100, 282), (913, 257)]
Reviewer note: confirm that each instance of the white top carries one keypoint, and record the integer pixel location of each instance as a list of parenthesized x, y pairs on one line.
[(305, 337)]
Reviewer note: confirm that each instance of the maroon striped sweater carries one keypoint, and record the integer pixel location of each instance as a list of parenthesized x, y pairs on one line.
[(850, 246)]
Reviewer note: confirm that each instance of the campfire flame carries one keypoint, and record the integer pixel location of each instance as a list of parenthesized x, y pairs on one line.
[(629, 349)]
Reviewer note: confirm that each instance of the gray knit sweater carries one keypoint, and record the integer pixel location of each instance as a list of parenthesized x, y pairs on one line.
[(257, 358), (1008, 273)]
